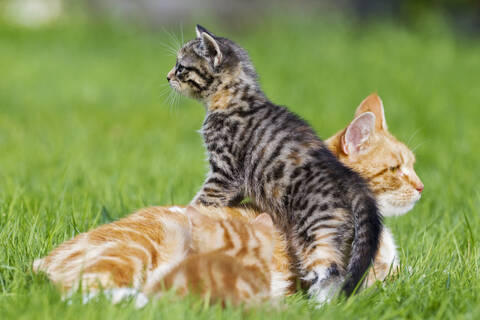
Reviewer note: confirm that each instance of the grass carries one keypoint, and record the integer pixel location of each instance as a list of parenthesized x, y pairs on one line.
[(86, 136)]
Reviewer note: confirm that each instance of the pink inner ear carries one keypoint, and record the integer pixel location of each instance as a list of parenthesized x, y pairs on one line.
[(265, 220), (358, 133), (374, 104)]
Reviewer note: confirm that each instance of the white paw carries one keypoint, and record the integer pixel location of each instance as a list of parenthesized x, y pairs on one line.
[(141, 300), (323, 293), (119, 294)]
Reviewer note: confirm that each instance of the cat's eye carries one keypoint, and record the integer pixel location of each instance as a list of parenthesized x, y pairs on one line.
[(180, 69), (395, 168)]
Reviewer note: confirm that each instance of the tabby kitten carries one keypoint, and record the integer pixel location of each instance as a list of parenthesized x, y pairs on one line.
[(263, 151)]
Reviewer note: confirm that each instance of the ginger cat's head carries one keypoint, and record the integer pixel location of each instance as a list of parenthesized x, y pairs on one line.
[(366, 146)]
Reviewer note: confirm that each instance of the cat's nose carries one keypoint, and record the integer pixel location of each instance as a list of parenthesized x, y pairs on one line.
[(170, 74), (420, 187)]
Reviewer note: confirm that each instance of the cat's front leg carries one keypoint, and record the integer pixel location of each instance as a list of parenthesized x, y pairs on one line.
[(386, 262), (219, 192)]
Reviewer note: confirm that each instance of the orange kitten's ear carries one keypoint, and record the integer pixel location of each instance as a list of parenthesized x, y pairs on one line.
[(195, 216), (358, 132), (265, 220), (373, 104)]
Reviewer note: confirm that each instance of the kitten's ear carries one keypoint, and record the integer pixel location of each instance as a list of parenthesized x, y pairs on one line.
[(358, 133), (210, 47), (265, 220), (199, 30), (195, 216), (373, 104)]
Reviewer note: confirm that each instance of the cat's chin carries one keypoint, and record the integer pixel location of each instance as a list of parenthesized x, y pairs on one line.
[(175, 85), (389, 209)]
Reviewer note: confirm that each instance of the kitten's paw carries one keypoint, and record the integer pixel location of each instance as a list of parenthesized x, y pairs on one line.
[(141, 300), (117, 295), (322, 289), (323, 294)]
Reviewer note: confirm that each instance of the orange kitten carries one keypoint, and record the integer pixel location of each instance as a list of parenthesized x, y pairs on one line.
[(119, 254), (172, 248), (165, 243)]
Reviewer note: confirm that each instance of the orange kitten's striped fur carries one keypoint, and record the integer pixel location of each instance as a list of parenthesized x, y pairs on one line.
[(233, 261), (163, 247), (158, 248)]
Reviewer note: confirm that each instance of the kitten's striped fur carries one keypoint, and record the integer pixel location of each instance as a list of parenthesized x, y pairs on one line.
[(263, 151)]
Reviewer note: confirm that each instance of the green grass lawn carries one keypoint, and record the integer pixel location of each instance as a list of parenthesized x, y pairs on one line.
[(88, 134)]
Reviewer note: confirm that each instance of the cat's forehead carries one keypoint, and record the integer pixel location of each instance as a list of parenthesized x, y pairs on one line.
[(407, 154), (188, 52), (399, 151)]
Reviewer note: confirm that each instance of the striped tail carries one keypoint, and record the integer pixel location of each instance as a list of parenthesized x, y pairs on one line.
[(368, 226)]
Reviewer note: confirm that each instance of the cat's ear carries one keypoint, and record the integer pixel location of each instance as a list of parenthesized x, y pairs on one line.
[(358, 132), (196, 217), (210, 47), (199, 30), (373, 104), (265, 220)]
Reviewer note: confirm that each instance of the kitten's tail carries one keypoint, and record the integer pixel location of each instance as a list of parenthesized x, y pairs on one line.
[(368, 226)]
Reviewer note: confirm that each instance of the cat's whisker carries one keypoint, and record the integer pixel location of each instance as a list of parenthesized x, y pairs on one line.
[(170, 47), (169, 50), (170, 98), (172, 44), (412, 136), (181, 31), (418, 146), (173, 38), (166, 97), (176, 103), (163, 92)]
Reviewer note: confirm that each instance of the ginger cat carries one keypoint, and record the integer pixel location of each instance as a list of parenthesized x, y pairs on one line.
[(158, 247), (367, 147)]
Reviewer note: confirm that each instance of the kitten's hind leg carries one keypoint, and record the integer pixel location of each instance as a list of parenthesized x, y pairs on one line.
[(322, 244), (325, 282)]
